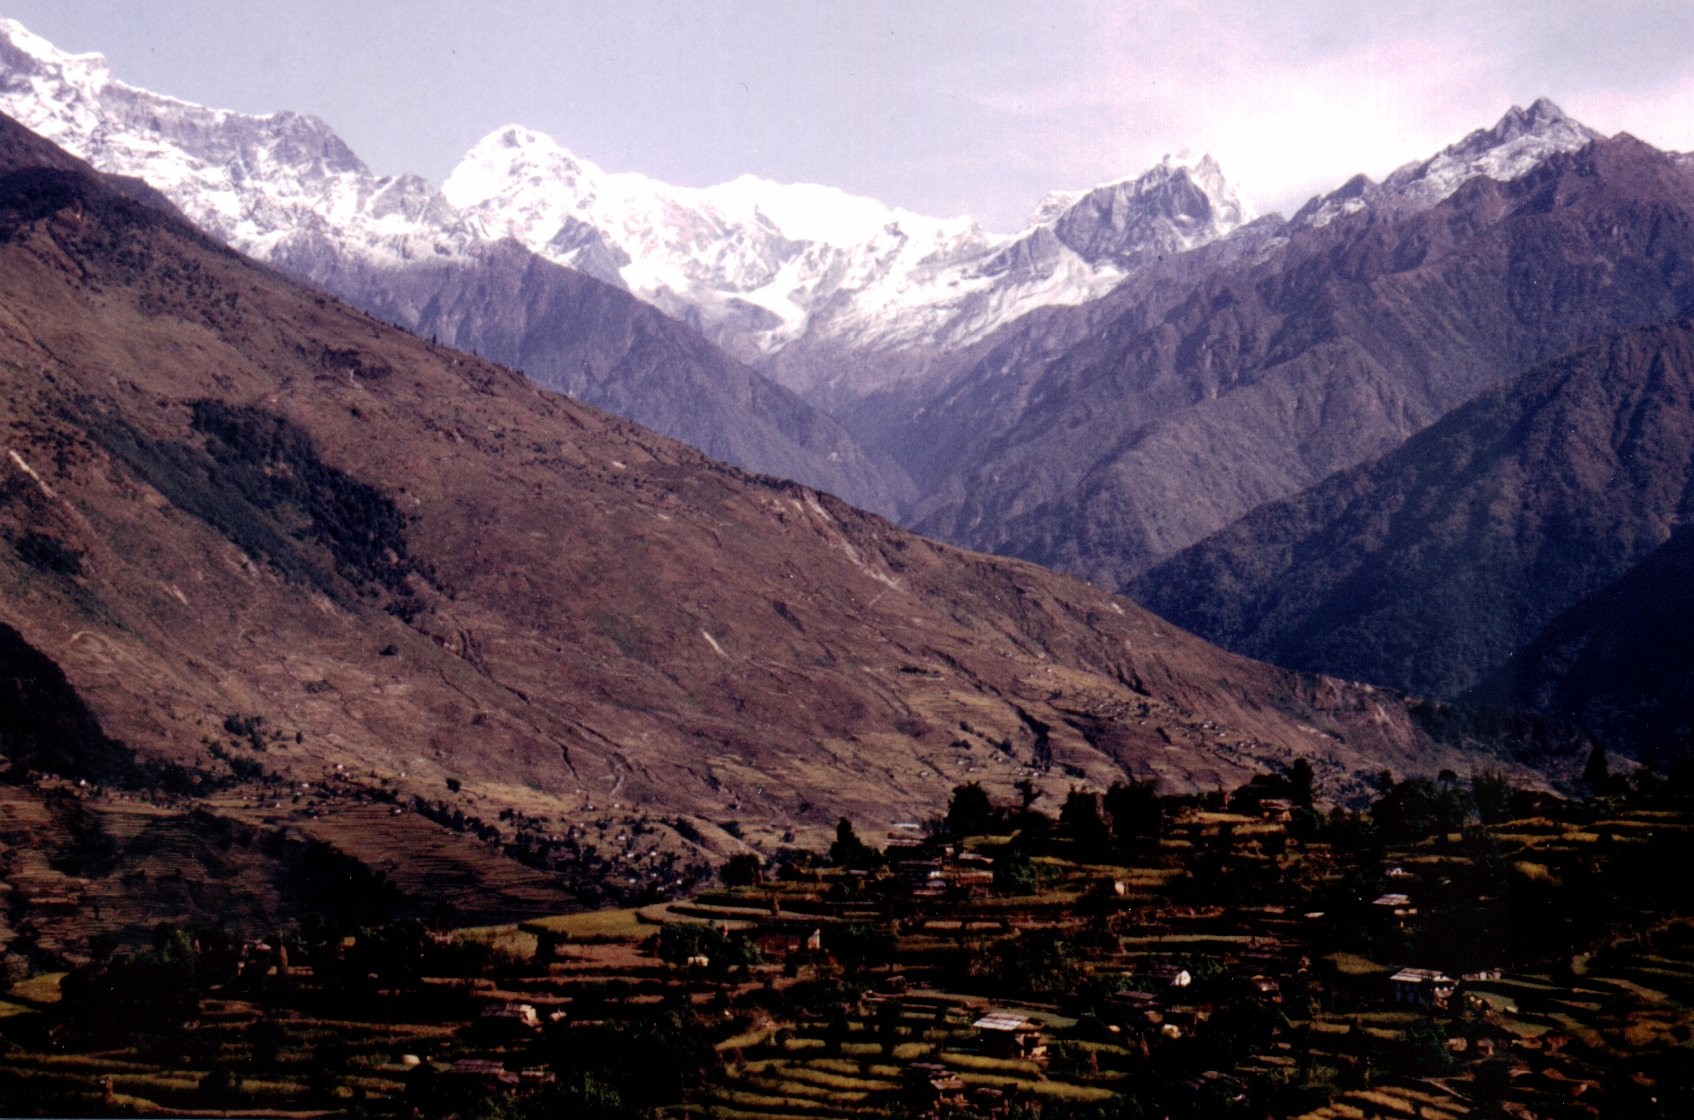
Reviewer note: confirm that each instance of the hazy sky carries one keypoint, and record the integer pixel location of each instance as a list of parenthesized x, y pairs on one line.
[(942, 107)]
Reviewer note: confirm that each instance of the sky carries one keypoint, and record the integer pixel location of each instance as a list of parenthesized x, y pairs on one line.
[(941, 107)]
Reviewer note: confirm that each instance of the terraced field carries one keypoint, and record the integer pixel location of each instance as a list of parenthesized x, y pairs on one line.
[(834, 993)]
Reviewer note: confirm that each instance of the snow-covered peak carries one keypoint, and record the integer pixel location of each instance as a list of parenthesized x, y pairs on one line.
[(812, 212), (516, 169), (508, 156), (1052, 207), (265, 184), (1517, 143), (1177, 205), (761, 265), (758, 265), (1542, 116), (749, 260), (18, 40)]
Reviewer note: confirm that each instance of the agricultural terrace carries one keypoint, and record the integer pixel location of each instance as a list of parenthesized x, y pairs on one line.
[(1459, 949)]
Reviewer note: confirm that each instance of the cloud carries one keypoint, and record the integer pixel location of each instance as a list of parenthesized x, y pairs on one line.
[(1294, 99), (1662, 115)]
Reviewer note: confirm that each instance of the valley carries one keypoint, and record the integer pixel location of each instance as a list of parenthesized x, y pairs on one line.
[(559, 642)]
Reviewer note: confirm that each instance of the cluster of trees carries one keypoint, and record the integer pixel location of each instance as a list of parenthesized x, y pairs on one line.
[(1124, 820), (149, 991), (610, 1071), (679, 943)]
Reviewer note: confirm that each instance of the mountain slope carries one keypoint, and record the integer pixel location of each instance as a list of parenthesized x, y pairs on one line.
[(285, 188), (1620, 662), (1429, 567), (1513, 147), (1166, 423), (229, 501), (570, 332)]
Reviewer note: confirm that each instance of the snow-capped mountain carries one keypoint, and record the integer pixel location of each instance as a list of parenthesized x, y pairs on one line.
[(756, 265), (834, 295), (761, 265), (1520, 141), (262, 184), (286, 189)]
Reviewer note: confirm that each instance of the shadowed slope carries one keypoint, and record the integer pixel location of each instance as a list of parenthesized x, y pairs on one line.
[(1620, 662), (1429, 567)]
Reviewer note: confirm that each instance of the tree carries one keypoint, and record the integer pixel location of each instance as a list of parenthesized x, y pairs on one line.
[(1038, 961), (1081, 821), (1492, 792), (156, 989), (1597, 772), (1416, 808), (1136, 814), (859, 946), (849, 851), (679, 942), (625, 1069), (579, 1095), (1305, 825), (742, 870), (1300, 782), (220, 1087), (1098, 903), (1014, 872), (969, 812), (266, 1038)]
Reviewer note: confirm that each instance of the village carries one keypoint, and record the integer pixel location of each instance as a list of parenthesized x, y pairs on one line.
[(1458, 949)]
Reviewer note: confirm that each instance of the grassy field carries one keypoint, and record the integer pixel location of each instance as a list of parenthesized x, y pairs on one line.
[(40, 990), (595, 925)]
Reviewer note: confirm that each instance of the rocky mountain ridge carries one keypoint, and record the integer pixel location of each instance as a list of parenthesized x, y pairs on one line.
[(761, 267), (1434, 565), (1518, 141), (1168, 411), (755, 265)]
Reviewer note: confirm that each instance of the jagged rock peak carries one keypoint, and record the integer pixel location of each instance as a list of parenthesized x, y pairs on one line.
[(1542, 121), (279, 186), (1176, 205), (76, 102)]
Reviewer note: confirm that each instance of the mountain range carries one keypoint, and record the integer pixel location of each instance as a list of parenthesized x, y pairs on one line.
[(267, 553), (1433, 433), (286, 189), (824, 290), (1245, 372), (1143, 366)]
